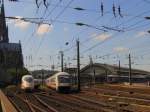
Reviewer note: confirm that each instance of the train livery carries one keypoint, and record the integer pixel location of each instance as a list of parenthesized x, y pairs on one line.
[(60, 81), (27, 82)]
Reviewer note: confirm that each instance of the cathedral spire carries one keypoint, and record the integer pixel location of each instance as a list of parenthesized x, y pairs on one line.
[(3, 27)]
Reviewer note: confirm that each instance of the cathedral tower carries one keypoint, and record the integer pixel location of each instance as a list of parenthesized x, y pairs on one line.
[(3, 27)]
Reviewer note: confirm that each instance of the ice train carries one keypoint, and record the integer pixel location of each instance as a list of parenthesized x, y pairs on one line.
[(27, 82)]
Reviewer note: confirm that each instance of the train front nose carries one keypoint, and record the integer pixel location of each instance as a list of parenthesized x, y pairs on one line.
[(29, 85), (64, 83)]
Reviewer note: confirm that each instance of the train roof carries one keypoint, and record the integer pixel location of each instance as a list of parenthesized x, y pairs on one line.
[(27, 76), (62, 73), (113, 69), (58, 74)]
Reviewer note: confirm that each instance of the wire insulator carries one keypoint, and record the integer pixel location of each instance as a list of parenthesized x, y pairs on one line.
[(114, 10), (119, 11), (102, 9), (37, 4), (44, 1)]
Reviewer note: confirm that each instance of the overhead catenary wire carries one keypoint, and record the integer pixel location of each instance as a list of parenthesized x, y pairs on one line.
[(122, 23), (91, 47), (42, 22), (53, 22), (99, 43), (134, 28), (53, 9), (103, 42), (137, 16)]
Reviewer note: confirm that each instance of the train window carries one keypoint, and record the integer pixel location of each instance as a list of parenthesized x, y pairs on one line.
[(64, 79), (29, 79)]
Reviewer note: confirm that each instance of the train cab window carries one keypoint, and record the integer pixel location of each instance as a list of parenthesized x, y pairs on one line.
[(29, 79), (64, 79)]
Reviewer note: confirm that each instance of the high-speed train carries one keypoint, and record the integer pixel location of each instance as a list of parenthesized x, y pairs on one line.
[(27, 82), (60, 81)]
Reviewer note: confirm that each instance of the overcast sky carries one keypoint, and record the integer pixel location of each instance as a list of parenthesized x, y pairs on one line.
[(43, 42)]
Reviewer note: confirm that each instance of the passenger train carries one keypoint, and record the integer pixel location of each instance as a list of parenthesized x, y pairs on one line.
[(60, 82), (27, 82)]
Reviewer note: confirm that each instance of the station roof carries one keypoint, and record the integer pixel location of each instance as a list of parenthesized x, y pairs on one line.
[(114, 69)]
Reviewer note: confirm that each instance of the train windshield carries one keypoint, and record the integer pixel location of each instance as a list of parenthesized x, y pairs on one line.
[(29, 79), (64, 79)]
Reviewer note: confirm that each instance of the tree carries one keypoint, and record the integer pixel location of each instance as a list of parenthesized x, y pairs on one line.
[(17, 75)]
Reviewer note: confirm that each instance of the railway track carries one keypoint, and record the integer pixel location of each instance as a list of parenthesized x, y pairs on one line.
[(129, 89), (82, 105), (128, 95), (26, 102), (126, 90), (38, 104), (91, 100), (61, 106), (131, 97), (134, 102), (20, 104)]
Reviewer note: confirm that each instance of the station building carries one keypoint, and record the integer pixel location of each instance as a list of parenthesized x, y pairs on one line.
[(109, 73), (101, 73)]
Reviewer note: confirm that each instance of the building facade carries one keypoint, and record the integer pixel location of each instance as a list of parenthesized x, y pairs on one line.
[(10, 53)]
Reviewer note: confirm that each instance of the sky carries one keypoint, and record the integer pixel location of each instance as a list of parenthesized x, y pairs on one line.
[(41, 43)]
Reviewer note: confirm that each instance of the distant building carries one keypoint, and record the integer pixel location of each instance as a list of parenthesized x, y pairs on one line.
[(72, 71), (38, 74), (10, 53), (99, 73)]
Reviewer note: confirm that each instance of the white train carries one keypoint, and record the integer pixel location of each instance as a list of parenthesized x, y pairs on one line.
[(27, 82), (60, 81)]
